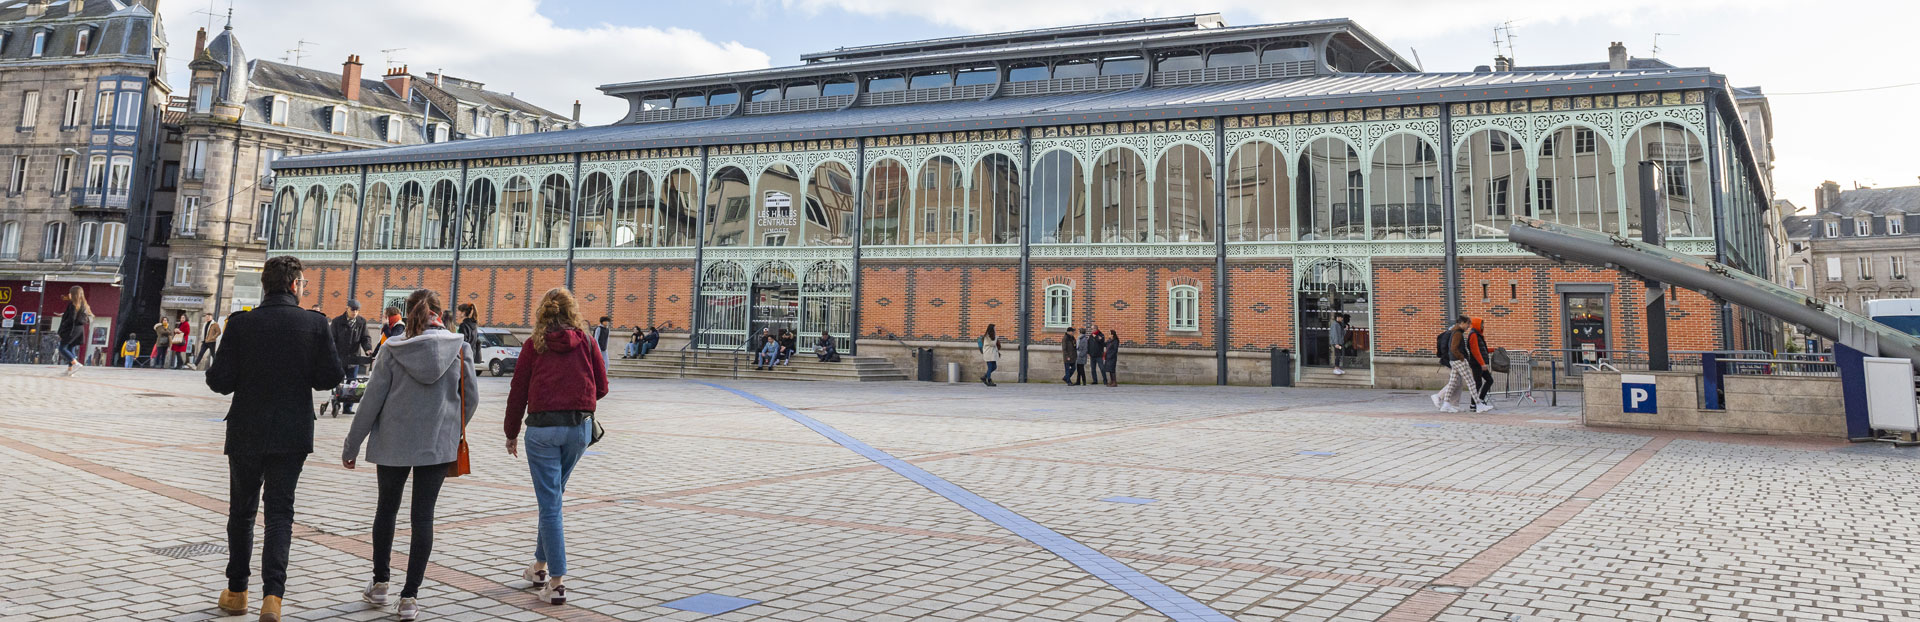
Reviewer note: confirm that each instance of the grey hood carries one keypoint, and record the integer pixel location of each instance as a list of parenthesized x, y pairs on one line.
[(427, 356)]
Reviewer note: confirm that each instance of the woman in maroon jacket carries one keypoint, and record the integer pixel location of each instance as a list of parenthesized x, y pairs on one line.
[(566, 366)]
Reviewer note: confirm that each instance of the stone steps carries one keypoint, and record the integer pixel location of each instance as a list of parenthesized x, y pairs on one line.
[(729, 365), (1324, 377)]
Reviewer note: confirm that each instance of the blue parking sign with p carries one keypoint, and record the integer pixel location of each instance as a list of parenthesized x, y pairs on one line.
[(1637, 394)]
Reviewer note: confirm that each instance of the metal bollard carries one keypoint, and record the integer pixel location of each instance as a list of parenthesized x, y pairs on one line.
[(953, 373)]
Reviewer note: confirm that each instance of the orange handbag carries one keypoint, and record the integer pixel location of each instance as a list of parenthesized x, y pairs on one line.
[(462, 465)]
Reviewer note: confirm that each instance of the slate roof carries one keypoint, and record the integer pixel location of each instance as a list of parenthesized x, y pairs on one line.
[(1632, 63), (498, 101), (1877, 201), (116, 23), (1365, 88), (318, 84), (1800, 227)]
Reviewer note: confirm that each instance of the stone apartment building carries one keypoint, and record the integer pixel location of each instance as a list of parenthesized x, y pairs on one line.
[(241, 114), (1858, 244), (81, 90)]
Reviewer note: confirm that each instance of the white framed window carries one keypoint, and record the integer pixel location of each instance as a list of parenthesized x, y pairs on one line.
[(182, 272), (9, 239), (203, 98), (96, 174), (339, 124), (1059, 306), (39, 44), (17, 180), (113, 240), (392, 124), (1865, 267), (63, 175), (261, 215), (81, 38), (1797, 277), (30, 109), (128, 116), (1863, 226), (195, 164), (482, 126), (1183, 308), (1897, 267), (441, 133), (513, 127), (87, 244), (103, 109), (1896, 224), (71, 116), (1864, 298), (277, 110), (187, 217), (54, 244), (1833, 229), (1584, 140), (1833, 268), (1837, 300), (120, 175)]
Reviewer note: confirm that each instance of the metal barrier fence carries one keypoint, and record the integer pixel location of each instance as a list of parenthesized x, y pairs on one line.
[(1569, 363), (19, 348), (1778, 367)]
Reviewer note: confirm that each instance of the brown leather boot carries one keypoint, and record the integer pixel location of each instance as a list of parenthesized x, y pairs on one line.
[(270, 609), (233, 603)]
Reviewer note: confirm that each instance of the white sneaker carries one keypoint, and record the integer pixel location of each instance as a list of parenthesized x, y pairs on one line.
[(1448, 408), (409, 609), (1339, 372), (375, 593), (553, 594), (1484, 408), (1436, 401), (537, 577)]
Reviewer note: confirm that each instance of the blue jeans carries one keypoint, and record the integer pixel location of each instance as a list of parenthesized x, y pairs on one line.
[(551, 454), (70, 353)]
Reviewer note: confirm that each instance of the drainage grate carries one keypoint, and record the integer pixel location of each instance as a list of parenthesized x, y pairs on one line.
[(193, 550)]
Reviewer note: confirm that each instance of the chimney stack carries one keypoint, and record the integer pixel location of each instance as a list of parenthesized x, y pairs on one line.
[(400, 82), (199, 43), (1827, 197), (350, 78), (576, 111), (1617, 56), (1502, 63)]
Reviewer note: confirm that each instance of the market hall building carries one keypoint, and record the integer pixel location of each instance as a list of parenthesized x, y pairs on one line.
[(1209, 192)]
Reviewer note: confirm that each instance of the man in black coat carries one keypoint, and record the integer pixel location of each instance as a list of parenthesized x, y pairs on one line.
[(1069, 352), (349, 332), (272, 360)]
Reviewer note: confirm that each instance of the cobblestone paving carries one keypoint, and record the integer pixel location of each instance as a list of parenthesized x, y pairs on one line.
[(1294, 504)]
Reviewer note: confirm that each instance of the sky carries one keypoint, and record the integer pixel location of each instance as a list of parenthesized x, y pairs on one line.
[(553, 52)]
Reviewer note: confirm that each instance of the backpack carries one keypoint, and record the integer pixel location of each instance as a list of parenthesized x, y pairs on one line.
[(1499, 361), (1442, 344)]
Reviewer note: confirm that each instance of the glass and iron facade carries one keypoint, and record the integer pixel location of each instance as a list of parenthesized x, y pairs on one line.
[(1209, 193)]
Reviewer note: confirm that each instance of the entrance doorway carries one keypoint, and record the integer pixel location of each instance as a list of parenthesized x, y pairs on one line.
[(1588, 328), (775, 308), (1332, 288)]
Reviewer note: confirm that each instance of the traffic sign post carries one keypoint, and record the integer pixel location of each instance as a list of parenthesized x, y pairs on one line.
[(30, 318), (9, 313)]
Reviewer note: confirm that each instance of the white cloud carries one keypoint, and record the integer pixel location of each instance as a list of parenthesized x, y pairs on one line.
[(506, 44)]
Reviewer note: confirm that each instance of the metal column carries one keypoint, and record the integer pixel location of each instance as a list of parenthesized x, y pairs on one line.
[(699, 254), (1220, 250), (359, 229), (1026, 265), (573, 222), (1449, 219), (459, 235), (859, 207)]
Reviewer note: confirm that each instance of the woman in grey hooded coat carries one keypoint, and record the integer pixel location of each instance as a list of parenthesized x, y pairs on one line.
[(421, 394)]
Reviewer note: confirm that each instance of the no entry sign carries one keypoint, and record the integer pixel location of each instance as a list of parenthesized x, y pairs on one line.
[(9, 313)]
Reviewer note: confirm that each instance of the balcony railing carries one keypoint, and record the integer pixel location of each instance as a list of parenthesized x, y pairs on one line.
[(13, 256), (99, 198)]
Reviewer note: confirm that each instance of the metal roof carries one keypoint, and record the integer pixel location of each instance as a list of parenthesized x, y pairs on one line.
[(1297, 95), (1184, 22)]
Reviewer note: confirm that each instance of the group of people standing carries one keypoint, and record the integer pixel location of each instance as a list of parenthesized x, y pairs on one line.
[(171, 344), (421, 392), (1463, 349), (1090, 348)]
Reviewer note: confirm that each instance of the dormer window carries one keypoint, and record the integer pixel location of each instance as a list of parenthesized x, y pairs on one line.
[(482, 124), (1863, 226), (203, 97), (1896, 224), (1833, 229), (277, 110), (513, 127), (40, 44), (439, 132), (339, 118), (393, 128), (81, 38)]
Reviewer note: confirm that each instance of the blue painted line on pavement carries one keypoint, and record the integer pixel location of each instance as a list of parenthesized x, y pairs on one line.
[(1132, 500), (1155, 594), (710, 603)]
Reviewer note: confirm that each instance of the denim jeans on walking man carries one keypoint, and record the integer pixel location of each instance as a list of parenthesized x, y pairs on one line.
[(552, 452)]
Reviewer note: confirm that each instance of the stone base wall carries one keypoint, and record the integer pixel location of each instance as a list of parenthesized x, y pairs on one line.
[(1781, 405)]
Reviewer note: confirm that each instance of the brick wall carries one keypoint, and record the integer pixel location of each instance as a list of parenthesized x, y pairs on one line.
[(1524, 310), (921, 301), (1260, 305), (648, 294), (1409, 305)]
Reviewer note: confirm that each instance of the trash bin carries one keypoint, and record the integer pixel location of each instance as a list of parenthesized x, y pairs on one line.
[(953, 372), (1282, 360), (923, 364)]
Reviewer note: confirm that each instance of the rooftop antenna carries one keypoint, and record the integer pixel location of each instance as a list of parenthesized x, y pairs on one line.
[(1503, 41), (1656, 41), (389, 54), (1422, 67), (299, 50)]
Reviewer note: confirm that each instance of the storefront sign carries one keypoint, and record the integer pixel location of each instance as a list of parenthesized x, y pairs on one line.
[(6, 295), (183, 302), (777, 210)]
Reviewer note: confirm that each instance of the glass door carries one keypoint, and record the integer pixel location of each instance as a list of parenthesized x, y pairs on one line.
[(1587, 328)]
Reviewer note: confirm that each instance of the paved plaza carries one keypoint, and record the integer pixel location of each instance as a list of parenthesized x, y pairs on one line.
[(899, 501)]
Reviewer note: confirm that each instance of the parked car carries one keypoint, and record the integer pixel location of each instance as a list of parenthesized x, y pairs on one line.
[(499, 350)]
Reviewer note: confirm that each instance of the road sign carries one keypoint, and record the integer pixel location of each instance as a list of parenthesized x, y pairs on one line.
[(6, 323), (31, 289), (9, 313), (1638, 394), (30, 318)]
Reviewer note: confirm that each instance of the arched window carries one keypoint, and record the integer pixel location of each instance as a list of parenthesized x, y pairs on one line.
[(723, 97), (803, 90), (885, 83), (120, 176), (887, 192), (483, 214), (1489, 183), (310, 212), (53, 246), (1684, 185), (517, 221), (976, 75), (939, 204), (86, 245), (282, 229), (1577, 183), (679, 209), (596, 212), (1120, 212), (277, 110), (1059, 200), (343, 214), (1258, 191), (440, 216), (1331, 195), (1183, 196), (690, 100), (634, 218), (1404, 189), (1027, 72), (382, 223), (1231, 56), (995, 196), (778, 207), (1183, 308), (830, 218), (556, 213), (1286, 52), (1180, 60), (1058, 308), (729, 208), (1075, 68), (837, 86), (409, 215), (1122, 66), (10, 240), (930, 80), (113, 240)]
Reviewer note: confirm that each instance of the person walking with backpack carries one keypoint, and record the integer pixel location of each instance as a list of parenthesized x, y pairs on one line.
[(1068, 349), (1481, 360), (989, 345), (74, 326), (274, 358), (557, 383), (1459, 374), (422, 394)]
